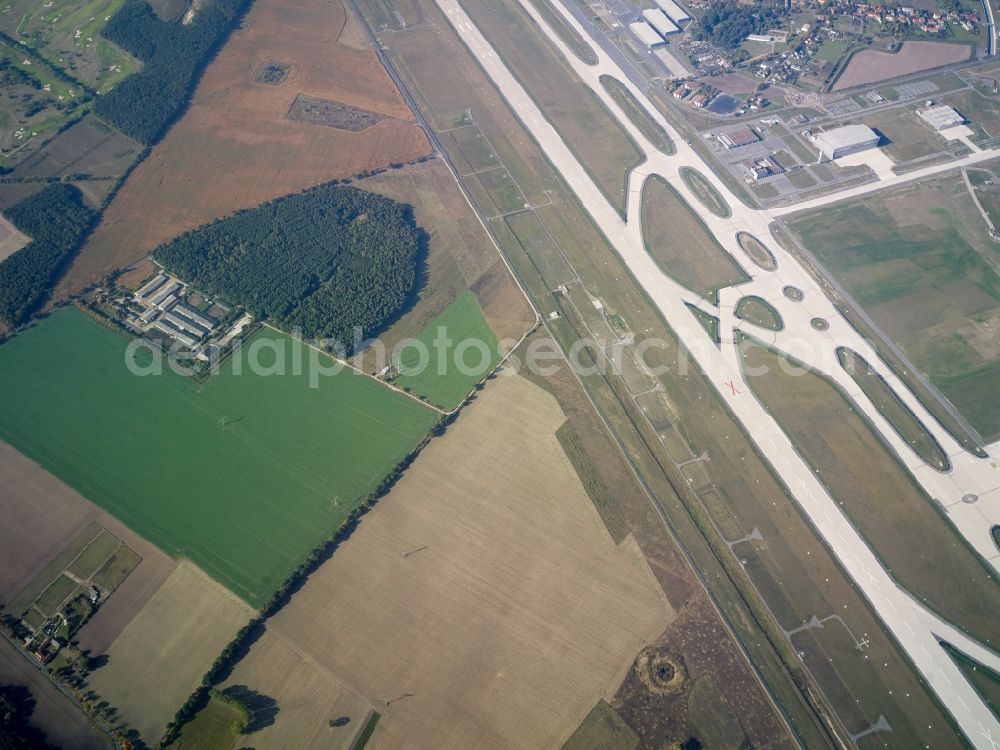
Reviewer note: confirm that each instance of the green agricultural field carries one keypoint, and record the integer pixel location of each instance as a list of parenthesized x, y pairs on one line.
[(920, 261), (454, 367), (244, 474)]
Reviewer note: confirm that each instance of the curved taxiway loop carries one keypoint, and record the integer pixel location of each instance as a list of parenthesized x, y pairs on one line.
[(917, 630)]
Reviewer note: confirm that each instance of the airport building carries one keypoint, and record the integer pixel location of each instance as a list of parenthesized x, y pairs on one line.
[(941, 116), (646, 34), (849, 139), (742, 136), (676, 13), (659, 21)]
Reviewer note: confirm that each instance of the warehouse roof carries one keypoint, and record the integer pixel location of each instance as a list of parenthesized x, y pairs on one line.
[(659, 21), (845, 137), (941, 117), (646, 33), (673, 10)]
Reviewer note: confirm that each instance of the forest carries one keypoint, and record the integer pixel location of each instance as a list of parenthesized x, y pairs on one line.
[(57, 221), (325, 261), (144, 104), (727, 24)]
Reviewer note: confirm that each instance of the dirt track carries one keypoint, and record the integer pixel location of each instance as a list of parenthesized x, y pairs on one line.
[(234, 148)]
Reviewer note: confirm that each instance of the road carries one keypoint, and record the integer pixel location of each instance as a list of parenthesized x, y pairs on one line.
[(916, 629)]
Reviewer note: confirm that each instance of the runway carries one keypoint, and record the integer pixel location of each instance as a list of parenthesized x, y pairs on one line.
[(915, 628)]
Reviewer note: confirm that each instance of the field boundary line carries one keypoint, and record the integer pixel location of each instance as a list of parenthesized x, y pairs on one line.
[(441, 153), (358, 370)]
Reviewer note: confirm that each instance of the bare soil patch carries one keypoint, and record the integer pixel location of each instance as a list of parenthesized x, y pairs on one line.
[(871, 66), (234, 147), (161, 655), (331, 114), (11, 240), (483, 598)]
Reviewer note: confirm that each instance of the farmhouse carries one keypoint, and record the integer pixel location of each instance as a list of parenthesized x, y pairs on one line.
[(742, 136), (849, 139), (677, 14), (659, 21), (646, 34), (941, 116)]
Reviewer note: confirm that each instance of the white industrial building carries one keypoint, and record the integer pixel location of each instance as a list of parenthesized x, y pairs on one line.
[(151, 286), (677, 14), (849, 139), (193, 315), (646, 34), (659, 21), (941, 116), (184, 324), (163, 295), (189, 341)]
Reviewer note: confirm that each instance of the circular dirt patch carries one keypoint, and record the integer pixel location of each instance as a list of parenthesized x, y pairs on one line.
[(819, 324), (757, 251), (794, 293), (660, 672)]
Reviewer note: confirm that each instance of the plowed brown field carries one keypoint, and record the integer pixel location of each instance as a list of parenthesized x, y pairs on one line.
[(871, 65), (41, 516), (483, 603), (160, 657), (234, 147)]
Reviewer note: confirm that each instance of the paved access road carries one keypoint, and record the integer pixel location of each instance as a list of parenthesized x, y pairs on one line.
[(915, 628)]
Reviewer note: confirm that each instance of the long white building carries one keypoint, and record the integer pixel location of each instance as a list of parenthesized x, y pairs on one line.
[(677, 14), (646, 34), (659, 21)]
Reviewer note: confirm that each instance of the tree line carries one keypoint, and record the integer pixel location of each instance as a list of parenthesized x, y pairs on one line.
[(57, 221), (144, 104), (237, 648), (325, 261), (727, 24)]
